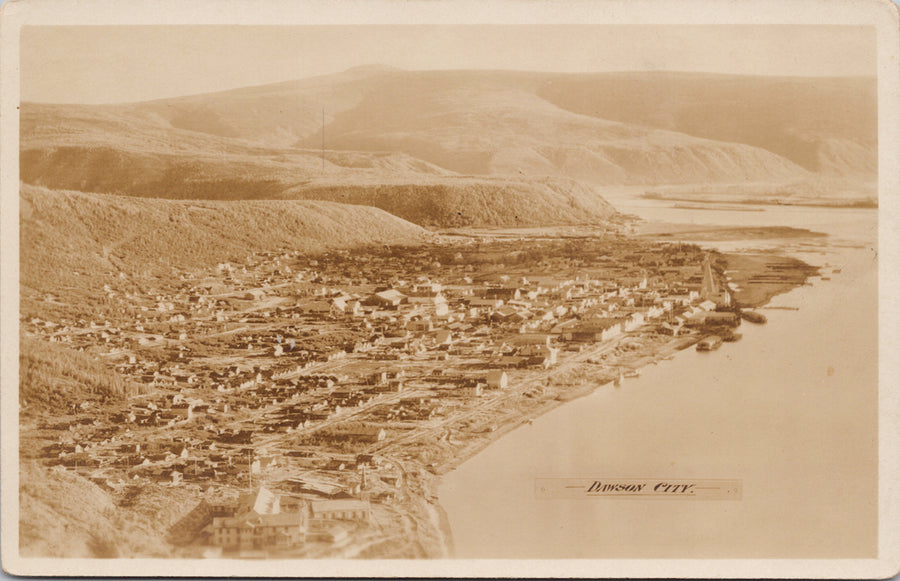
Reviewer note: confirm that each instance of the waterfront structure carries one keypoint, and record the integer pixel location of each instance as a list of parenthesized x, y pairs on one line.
[(709, 288)]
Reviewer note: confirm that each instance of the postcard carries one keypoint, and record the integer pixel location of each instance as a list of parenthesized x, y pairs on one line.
[(441, 289)]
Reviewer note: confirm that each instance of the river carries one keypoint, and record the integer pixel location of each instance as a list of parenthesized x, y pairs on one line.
[(790, 410)]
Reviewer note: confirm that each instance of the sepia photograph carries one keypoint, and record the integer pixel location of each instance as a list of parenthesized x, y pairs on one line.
[(308, 289)]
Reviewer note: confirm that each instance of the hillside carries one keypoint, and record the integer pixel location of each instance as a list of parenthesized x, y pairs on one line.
[(825, 125), (811, 122), (479, 123), (469, 201), (67, 238), (63, 514), (108, 152), (386, 127), (52, 378), (115, 150)]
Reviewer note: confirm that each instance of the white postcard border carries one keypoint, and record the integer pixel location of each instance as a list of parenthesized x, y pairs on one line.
[(881, 14)]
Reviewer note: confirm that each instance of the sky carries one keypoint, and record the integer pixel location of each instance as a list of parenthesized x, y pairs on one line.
[(113, 64)]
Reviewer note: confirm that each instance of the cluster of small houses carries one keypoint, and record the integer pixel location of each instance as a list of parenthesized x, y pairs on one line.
[(228, 300), (500, 324), (492, 321)]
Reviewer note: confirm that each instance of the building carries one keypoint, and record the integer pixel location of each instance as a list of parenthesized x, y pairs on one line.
[(497, 379), (538, 339), (387, 299), (318, 307), (420, 326), (600, 329), (540, 355), (476, 390), (489, 303), (341, 510), (443, 337), (426, 297), (503, 293), (256, 531), (507, 314), (258, 523), (713, 318)]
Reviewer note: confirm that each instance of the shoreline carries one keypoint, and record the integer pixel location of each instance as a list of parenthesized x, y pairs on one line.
[(709, 201), (752, 265), (477, 445)]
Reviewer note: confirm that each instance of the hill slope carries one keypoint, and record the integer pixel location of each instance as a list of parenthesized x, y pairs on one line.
[(52, 378), (801, 119), (825, 125), (107, 151), (429, 128), (469, 201), (481, 123), (67, 237)]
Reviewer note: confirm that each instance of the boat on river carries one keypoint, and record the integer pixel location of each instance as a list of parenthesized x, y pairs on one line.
[(753, 317), (710, 343)]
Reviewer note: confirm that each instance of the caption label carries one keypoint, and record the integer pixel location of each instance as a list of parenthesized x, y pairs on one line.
[(638, 488)]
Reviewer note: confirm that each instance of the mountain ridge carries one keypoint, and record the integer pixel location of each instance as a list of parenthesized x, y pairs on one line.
[(406, 128)]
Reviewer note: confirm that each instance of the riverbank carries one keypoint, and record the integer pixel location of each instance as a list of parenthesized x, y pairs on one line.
[(582, 374), (756, 278), (693, 232), (724, 414)]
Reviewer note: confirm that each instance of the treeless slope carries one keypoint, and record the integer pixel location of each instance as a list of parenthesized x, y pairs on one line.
[(792, 117), (277, 114), (826, 125), (470, 201), (63, 233), (800, 119), (477, 124), (62, 514), (108, 152), (119, 149), (388, 126)]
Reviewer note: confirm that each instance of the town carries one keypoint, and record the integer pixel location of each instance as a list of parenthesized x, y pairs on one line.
[(309, 401)]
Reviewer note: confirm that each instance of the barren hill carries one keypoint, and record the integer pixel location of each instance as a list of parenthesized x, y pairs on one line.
[(824, 125), (480, 123), (70, 237), (811, 122), (469, 201), (110, 151), (388, 132)]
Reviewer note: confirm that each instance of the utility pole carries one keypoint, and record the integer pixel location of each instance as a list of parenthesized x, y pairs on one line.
[(323, 139)]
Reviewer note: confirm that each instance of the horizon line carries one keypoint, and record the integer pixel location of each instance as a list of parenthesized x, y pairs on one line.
[(391, 68)]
